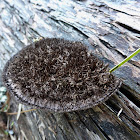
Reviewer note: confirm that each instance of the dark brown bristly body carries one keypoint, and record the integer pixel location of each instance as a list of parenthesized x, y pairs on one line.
[(58, 75)]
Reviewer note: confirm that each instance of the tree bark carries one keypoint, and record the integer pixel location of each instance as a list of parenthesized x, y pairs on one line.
[(114, 28)]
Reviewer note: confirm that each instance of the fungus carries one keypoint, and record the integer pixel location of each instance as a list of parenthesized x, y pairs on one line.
[(58, 75)]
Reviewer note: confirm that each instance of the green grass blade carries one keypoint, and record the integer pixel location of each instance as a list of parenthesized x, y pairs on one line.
[(125, 60)]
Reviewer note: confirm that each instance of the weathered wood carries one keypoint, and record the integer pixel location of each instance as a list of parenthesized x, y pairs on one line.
[(114, 27)]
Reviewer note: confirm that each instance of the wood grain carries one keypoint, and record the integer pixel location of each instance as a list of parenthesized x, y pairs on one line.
[(114, 27)]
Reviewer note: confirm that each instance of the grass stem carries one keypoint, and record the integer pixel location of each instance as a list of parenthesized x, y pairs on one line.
[(125, 60)]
